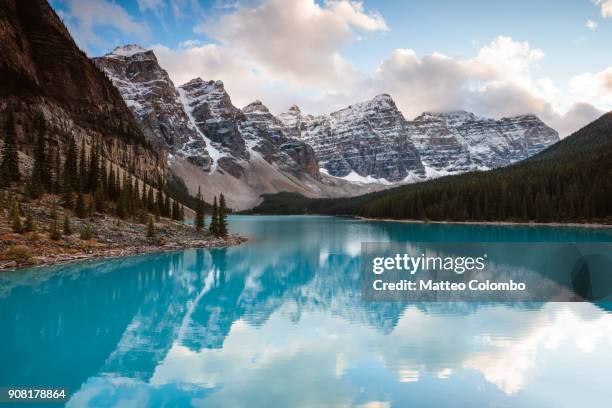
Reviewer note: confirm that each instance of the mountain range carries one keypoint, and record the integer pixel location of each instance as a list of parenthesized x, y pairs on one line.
[(246, 152), (571, 181)]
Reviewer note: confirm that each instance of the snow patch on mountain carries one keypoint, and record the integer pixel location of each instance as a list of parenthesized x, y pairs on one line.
[(215, 154), (127, 50)]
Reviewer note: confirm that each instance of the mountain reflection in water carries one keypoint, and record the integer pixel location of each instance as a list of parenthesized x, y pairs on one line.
[(280, 322)]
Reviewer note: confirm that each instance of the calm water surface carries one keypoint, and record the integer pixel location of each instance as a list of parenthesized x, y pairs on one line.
[(279, 322)]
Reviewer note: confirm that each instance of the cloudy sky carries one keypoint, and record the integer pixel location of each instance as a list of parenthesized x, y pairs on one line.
[(494, 58)]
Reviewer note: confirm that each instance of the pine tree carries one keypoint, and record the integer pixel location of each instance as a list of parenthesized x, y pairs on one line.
[(104, 177), (71, 173), (67, 196), (40, 170), (143, 197), (29, 223), (182, 214), (120, 207), (150, 200), (159, 207), (151, 228), (9, 160), (199, 220), (99, 199), (167, 208), (85, 232), (54, 232), (176, 210), (82, 169), (57, 171), (222, 217), (214, 219), (112, 187), (17, 226), (93, 175), (67, 228), (80, 209)]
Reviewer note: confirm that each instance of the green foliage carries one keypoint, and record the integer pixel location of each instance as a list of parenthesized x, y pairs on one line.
[(20, 253), (214, 219), (16, 217), (67, 228), (40, 177), (571, 181), (151, 228), (54, 232), (100, 199), (222, 217), (86, 232), (82, 178), (199, 218), (80, 209), (93, 174), (71, 174), (176, 211), (176, 188), (9, 158), (29, 223)]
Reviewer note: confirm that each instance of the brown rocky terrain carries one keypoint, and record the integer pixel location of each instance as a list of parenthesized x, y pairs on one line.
[(109, 237), (48, 85)]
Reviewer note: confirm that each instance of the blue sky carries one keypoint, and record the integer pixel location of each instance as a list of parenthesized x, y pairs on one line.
[(495, 58)]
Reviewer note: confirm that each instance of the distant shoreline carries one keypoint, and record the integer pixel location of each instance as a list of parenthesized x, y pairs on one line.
[(498, 223)]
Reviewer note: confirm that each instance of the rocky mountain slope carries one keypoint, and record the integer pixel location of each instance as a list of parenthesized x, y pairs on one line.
[(372, 141), (569, 182), (48, 86), (369, 139), (155, 102), (212, 143), (364, 147), (457, 142)]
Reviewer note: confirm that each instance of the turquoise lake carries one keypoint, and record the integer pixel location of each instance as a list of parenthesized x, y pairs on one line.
[(279, 322)]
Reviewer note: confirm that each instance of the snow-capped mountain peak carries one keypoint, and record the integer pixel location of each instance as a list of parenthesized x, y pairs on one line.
[(255, 106), (364, 143), (127, 50)]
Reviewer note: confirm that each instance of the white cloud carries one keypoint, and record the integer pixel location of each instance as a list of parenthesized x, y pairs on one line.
[(594, 88), (284, 53), (507, 59), (208, 61), (84, 16), (576, 117), (497, 82), (190, 43), (298, 41), (155, 6), (591, 25), (606, 7)]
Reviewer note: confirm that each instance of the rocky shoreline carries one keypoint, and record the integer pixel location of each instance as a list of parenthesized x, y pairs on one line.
[(116, 252), (108, 237)]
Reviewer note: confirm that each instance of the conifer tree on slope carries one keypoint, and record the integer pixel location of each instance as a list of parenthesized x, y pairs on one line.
[(222, 217), (214, 221), (71, 172), (9, 162), (199, 219)]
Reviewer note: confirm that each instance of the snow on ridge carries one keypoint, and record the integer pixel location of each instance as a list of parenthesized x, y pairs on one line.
[(215, 154), (128, 50)]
